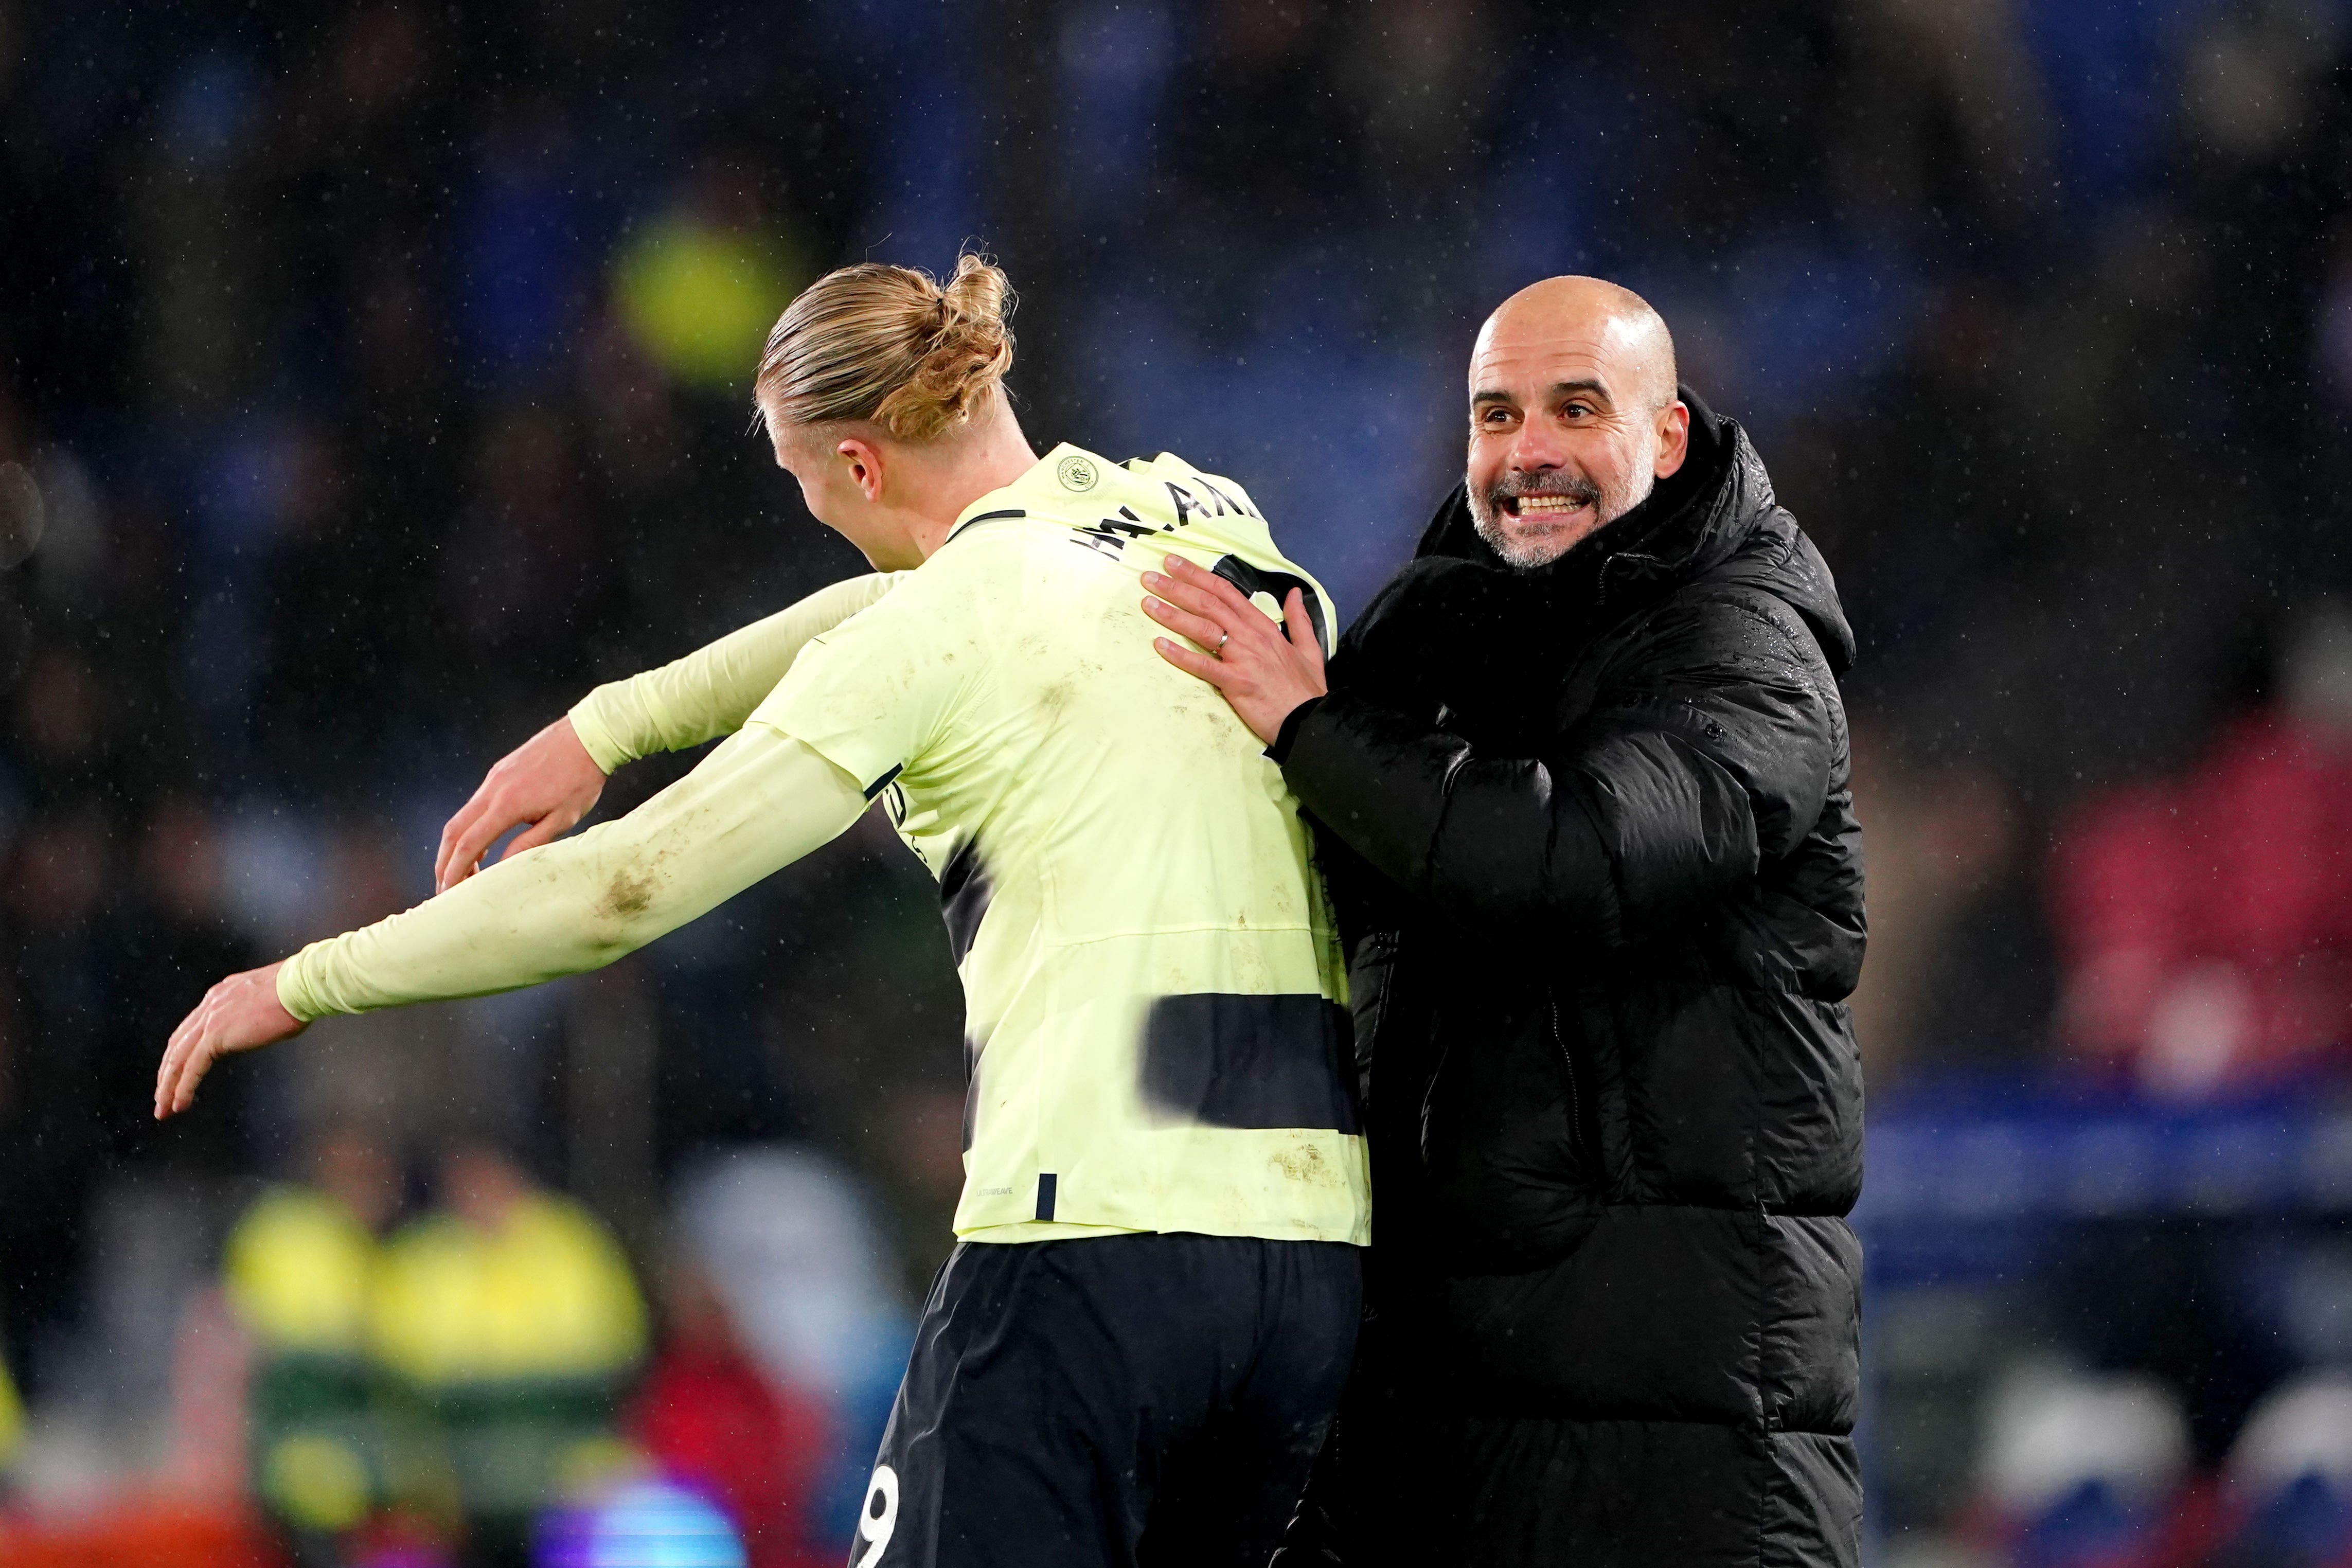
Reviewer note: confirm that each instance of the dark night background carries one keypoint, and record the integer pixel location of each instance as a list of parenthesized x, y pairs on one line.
[(375, 378)]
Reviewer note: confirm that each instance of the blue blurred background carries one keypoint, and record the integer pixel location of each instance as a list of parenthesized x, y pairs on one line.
[(374, 377)]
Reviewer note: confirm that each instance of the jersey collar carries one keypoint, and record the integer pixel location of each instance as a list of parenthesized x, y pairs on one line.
[(1056, 483)]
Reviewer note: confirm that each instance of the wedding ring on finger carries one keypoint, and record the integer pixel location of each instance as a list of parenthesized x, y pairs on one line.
[(1222, 638)]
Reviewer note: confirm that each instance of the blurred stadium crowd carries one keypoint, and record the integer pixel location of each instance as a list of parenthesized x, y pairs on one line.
[(373, 378)]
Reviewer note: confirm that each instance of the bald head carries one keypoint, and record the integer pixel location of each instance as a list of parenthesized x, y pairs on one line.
[(1610, 321), (1573, 415)]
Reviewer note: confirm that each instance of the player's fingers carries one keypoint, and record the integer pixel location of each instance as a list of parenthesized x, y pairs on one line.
[(1205, 584), (192, 1073), (1183, 622), (452, 833), (166, 1071), (466, 853), (1213, 671), (170, 1098), (1299, 626), (1201, 578), (549, 827), (175, 1056), (1192, 600)]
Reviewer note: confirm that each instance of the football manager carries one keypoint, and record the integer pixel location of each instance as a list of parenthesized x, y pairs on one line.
[(1579, 779)]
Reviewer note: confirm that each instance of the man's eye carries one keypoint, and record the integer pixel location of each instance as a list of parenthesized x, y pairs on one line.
[(1576, 410)]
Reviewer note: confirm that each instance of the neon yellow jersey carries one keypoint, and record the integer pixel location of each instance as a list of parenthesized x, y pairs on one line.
[(546, 1294), (12, 1419), (299, 1267), (1155, 1031)]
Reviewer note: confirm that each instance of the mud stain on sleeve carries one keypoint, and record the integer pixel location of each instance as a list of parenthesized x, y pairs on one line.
[(630, 894)]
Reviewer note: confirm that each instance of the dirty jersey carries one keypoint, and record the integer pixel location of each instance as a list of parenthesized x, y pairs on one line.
[(1155, 1031)]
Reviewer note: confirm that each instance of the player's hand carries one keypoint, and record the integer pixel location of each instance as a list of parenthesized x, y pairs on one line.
[(1263, 671), (236, 1014), (544, 785)]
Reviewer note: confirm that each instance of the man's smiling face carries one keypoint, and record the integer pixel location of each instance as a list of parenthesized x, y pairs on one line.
[(1572, 417)]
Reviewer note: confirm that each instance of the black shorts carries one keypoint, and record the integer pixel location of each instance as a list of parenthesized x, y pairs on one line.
[(1116, 1400)]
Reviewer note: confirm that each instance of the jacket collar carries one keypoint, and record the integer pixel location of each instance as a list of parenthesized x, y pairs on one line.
[(1717, 513)]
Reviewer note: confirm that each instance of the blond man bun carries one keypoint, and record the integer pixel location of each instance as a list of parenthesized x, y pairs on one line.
[(890, 345)]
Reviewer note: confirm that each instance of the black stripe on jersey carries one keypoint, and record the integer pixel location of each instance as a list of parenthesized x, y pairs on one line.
[(989, 516), (964, 892), (1275, 585), (1046, 1183), (971, 1094), (1249, 1062), (879, 785)]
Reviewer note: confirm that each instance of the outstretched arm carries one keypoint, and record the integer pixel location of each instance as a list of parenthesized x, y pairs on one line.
[(551, 781), (760, 802), (712, 691)]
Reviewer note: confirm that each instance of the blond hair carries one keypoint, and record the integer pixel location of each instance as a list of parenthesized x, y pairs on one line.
[(891, 345)]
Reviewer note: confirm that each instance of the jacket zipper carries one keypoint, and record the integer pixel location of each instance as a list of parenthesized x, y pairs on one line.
[(1575, 1102), (1437, 1069)]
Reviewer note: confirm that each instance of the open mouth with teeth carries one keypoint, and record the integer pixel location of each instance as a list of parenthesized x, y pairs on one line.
[(1544, 506)]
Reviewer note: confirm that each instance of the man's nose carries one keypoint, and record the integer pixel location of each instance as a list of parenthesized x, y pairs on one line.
[(1538, 448)]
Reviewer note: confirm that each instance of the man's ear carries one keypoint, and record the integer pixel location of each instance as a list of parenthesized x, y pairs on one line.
[(865, 462), (1673, 439)]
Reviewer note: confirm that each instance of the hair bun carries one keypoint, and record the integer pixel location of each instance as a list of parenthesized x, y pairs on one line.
[(968, 355), (890, 344)]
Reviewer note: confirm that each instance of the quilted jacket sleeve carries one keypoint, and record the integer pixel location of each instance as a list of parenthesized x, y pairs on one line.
[(1707, 751)]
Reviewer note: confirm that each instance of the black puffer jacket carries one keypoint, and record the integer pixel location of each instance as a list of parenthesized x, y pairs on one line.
[(1589, 831)]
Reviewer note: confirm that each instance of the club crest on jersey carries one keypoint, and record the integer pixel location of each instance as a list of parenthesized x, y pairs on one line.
[(1077, 473)]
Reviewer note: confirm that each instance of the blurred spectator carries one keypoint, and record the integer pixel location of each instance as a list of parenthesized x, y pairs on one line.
[(61, 725), (170, 934), (12, 1420), (643, 1522), (511, 1315), (1946, 112), (531, 571), (423, 1074), (2205, 920), (301, 1273), (700, 286), (1941, 842), (2291, 1479), (790, 1243), (2077, 1468), (203, 265), (526, 235), (710, 1415)]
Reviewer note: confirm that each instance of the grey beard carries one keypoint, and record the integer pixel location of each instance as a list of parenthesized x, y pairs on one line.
[(1524, 556), (1528, 555)]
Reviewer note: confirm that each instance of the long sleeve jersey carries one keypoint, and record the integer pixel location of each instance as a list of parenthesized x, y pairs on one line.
[(1154, 1030), (712, 691)]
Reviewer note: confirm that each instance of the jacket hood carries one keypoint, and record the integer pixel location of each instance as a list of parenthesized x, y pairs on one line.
[(1716, 514)]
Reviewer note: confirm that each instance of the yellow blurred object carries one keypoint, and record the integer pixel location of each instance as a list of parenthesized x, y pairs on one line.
[(299, 1269), (699, 298), (594, 1466), (12, 1419), (316, 1481), (546, 1295)]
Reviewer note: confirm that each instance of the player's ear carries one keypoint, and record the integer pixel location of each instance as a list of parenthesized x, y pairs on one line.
[(865, 461)]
